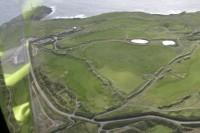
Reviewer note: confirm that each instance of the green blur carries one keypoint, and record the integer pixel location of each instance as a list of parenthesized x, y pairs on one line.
[(21, 112), (14, 78)]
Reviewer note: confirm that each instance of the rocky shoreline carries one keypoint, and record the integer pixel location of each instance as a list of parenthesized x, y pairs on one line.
[(41, 12)]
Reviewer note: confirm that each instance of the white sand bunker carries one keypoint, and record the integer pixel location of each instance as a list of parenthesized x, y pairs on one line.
[(169, 43), (139, 41)]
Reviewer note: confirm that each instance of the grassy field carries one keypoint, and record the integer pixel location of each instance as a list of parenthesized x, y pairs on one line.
[(121, 32), (172, 88), (49, 46), (124, 28), (160, 129), (76, 76), (116, 27), (124, 65)]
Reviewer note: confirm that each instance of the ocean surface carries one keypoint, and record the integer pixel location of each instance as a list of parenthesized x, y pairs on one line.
[(85, 8)]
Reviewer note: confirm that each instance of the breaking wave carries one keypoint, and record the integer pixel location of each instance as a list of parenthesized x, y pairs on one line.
[(81, 16)]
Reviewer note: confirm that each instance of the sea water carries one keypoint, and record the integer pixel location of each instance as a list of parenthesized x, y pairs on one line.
[(85, 8)]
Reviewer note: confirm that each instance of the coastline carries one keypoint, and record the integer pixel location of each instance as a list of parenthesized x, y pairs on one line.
[(52, 16), (44, 13)]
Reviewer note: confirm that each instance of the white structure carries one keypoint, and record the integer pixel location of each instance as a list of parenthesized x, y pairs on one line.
[(169, 43), (139, 41)]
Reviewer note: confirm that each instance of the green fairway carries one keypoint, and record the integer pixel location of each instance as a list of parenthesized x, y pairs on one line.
[(21, 111), (124, 64), (66, 42), (160, 129), (122, 33), (12, 79), (76, 76), (124, 81)]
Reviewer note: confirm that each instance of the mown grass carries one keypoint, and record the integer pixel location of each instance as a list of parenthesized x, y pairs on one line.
[(101, 35), (122, 32), (67, 42), (125, 64), (76, 76), (160, 129), (125, 81), (49, 46)]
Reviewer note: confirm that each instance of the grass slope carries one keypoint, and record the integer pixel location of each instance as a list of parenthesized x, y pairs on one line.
[(75, 74), (160, 129)]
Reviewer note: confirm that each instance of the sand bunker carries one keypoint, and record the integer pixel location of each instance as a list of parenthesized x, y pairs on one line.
[(139, 41), (169, 43)]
